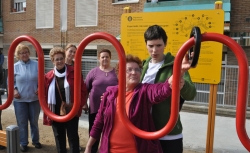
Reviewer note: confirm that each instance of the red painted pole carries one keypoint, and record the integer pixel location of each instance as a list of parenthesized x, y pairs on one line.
[(41, 91), (242, 91), (242, 81), (122, 64), (77, 73), (11, 67), (242, 88)]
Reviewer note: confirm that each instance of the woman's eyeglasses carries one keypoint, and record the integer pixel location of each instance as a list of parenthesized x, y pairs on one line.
[(22, 53), (59, 59), (136, 70)]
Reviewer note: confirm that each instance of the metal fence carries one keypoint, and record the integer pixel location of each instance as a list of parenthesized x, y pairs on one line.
[(87, 65), (227, 88)]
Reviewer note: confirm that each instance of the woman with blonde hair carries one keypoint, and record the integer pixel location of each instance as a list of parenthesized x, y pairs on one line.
[(26, 103)]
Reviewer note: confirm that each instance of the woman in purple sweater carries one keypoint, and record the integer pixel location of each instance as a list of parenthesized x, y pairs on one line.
[(97, 80), (138, 102)]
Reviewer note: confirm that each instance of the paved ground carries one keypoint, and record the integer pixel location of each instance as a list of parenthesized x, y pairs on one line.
[(195, 129), (225, 136)]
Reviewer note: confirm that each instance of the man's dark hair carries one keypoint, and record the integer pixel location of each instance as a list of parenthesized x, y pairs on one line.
[(155, 32)]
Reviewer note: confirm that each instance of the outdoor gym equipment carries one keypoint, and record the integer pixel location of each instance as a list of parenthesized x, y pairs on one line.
[(241, 99), (196, 33), (242, 88), (11, 67), (41, 91)]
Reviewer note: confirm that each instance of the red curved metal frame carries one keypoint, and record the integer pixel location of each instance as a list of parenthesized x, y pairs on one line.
[(122, 63), (242, 87), (242, 91), (41, 84), (11, 67), (174, 104)]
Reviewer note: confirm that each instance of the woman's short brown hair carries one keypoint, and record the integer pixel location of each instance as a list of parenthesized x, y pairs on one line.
[(130, 58), (56, 50), (104, 51), (19, 48)]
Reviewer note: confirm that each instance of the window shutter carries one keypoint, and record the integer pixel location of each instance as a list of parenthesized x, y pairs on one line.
[(18, 1), (86, 13), (44, 14), (63, 15)]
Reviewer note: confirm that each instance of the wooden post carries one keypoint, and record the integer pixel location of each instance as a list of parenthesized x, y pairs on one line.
[(211, 118), (3, 140), (212, 106)]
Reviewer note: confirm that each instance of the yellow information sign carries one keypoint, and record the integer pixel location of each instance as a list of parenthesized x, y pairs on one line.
[(178, 25)]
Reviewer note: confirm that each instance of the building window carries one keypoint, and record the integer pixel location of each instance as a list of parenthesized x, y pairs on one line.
[(44, 14), (48, 65), (124, 1), (19, 6), (86, 13), (160, 0), (224, 58)]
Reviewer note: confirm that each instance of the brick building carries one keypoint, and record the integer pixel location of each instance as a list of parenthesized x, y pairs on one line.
[(25, 22), (49, 23), (240, 27)]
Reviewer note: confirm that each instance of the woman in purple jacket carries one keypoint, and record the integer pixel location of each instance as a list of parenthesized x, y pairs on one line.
[(97, 80), (139, 99)]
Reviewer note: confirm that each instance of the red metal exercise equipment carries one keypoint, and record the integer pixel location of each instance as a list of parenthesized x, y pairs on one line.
[(243, 79), (241, 99), (122, 62), (41, 83), (242, 88), (11, 66), (77, 74), (121, 84)]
